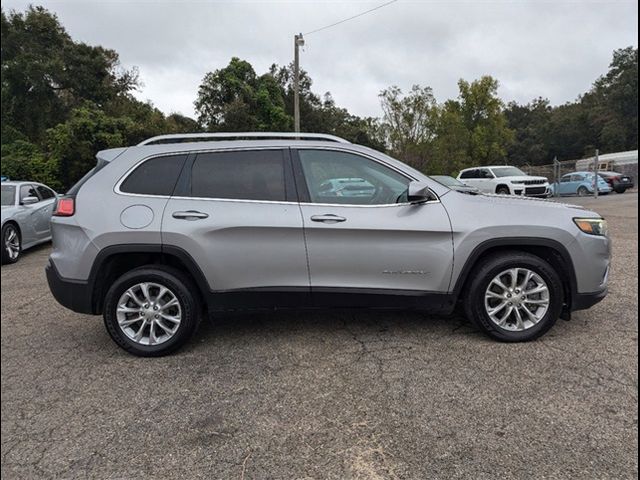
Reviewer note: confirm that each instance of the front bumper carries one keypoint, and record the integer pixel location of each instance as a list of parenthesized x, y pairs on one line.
[(72, 294), (584, 301)]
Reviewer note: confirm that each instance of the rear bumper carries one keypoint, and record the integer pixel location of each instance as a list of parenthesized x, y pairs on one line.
[(72, 294), (584, 301)]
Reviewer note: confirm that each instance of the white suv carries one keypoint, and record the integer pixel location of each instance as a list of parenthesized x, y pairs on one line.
[(505, 180)]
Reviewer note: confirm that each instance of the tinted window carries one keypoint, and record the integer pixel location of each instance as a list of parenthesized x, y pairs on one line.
[(485, 173), (248, 175), (27, 191), (508, 172), (469, 174), (157, 176), (45, 193), (349, 179)]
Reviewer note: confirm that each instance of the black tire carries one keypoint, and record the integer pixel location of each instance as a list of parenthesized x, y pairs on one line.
[(487, 270), (503, 191), (620, 189), (7, 230), (583, 191), (183, 289)]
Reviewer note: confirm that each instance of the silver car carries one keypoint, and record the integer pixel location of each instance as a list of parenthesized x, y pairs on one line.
[(160, 234), (26, 214)]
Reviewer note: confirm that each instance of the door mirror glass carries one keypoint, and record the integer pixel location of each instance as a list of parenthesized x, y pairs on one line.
[(419, 192), (30, 200)]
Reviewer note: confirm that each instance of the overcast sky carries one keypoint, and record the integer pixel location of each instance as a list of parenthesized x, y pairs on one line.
[(553, 49)]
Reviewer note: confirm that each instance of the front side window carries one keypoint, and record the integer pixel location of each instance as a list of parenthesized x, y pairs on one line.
[(240, 175), (566, 179), (577, 178), (27, 191), (345, 178), (508, 172), (45, 193), (157, 176)]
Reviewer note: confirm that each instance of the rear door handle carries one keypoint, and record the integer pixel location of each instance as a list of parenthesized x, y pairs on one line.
[(328, 218), (190, 215)]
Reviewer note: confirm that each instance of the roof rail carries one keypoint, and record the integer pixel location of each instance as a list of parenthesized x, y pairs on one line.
[(200, 137)]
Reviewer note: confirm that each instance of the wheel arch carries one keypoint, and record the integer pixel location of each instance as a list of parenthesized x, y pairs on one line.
[(502, 185), (549, 250), (115, 260)]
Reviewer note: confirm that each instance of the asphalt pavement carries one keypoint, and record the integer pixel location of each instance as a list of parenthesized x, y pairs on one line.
[(335, 395)]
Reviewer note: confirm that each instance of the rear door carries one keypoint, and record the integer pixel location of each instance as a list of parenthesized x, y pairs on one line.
[(371, 241), (235, 212)]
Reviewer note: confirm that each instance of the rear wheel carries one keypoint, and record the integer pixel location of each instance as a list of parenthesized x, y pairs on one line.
[(620, 189), (151, 311), (514, 297), (583, 191), (11, 243)]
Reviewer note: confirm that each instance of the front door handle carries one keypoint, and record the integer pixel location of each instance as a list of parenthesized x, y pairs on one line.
[(190, 215), (328, 218)]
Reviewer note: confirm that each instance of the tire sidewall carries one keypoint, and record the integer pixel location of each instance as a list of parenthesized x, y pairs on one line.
[(6, 259), (180, 288), (476, 303)]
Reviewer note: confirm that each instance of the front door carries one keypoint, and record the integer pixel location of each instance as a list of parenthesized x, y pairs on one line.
[(361, 234), (239, 220)]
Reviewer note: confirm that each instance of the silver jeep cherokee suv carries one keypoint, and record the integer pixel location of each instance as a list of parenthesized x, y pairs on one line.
[(180, 226)]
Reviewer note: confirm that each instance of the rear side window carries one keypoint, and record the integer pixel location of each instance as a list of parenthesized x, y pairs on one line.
[(246, 175), (157, 176), (468, 174)]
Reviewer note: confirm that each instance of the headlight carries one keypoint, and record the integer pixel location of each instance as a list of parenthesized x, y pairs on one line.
[(592, 226)]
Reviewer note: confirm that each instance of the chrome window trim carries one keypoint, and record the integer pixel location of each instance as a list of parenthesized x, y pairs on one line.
[(124, 176)]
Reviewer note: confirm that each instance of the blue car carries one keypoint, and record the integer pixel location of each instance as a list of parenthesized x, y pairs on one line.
[(581, 184)]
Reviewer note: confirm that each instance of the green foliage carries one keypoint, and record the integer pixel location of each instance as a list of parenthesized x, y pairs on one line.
[(445, 138), (605, 118), (75, 142), (22, 160)]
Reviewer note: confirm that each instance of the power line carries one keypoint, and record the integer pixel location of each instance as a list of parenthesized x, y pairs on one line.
[(351, 18)]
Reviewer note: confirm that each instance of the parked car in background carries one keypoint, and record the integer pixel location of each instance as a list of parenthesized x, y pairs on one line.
[(617, 181), (454, 184), (26, 215), (581, 184), (204, 223), (347, 187), (505, 180)]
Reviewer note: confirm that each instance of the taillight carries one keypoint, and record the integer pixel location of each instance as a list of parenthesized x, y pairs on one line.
[(65, 207)]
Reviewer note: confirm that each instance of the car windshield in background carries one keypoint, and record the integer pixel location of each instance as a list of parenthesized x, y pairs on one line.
[(8, 195), (508, 172)]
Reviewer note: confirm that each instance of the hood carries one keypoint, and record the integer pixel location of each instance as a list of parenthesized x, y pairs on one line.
[(515, 201), (520, 178)]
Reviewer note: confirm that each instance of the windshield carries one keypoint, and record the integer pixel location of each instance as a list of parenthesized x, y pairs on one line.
[(8, 195), (447, 181), (508, 172)]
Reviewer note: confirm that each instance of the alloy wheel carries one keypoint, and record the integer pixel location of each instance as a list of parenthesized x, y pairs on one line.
[(12, 242), (149, 313), (517, 299)]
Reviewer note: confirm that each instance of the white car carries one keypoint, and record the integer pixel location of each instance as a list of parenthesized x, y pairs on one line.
[(505, 180)]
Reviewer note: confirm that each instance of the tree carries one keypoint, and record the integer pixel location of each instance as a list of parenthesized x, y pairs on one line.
[(409, 123), (482, 113), (45, 74)]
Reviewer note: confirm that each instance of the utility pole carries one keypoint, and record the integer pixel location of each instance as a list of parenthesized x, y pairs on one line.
[(298, 41), (596, 177)]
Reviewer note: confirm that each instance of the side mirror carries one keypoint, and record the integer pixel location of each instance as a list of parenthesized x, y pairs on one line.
[(419, 192), (30, 200)]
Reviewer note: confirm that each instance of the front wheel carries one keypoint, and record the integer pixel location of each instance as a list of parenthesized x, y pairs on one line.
[(514, 297), (503, 191), (11, 243), (151, 311)]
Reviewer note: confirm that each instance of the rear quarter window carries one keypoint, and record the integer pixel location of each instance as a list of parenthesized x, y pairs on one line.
[(156, 176)]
